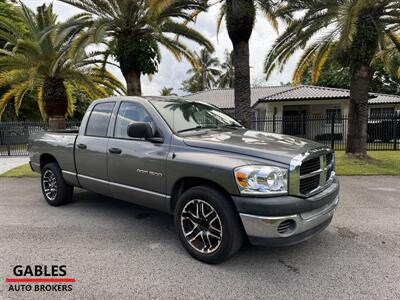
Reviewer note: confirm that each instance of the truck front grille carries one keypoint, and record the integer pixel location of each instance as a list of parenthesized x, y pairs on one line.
[(309, 184), (312, 172), (310, 166)]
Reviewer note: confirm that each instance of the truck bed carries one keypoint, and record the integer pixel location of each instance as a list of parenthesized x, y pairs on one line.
[(59, 144)]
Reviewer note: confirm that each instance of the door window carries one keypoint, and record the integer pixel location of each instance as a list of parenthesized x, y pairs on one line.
[(99, 119), (130, 112)]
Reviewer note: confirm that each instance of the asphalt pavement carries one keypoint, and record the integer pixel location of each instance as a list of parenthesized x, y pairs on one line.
[(117, 250)]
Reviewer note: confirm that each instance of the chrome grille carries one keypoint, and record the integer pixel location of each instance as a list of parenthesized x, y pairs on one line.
[(309, 183), (311, 172), (310, 165)]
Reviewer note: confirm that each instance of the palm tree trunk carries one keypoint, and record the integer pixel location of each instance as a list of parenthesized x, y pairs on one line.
[(240, 17), (55, 102), (242, 83), (133, 84), (57, 123), (358, 114)]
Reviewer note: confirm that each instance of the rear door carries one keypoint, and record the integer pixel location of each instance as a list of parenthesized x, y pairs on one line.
[(136, 167), (91, 149)]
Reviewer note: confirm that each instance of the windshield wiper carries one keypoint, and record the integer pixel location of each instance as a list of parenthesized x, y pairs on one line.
[(195, 128)]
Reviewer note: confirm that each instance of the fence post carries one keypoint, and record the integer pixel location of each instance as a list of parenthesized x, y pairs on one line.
[(395, 116), (333, 116), (274, 123)]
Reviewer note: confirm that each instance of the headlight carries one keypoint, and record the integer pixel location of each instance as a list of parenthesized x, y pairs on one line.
[(261, 180)]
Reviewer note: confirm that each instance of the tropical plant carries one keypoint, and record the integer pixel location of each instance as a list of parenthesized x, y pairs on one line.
[(240, 16), (133, 31), (166, 91), (38, 59), (227, 76), (335, 75), (205, 70), (355, 31), (192, 85)]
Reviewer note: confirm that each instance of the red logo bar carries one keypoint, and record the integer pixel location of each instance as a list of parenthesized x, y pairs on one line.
[(40, 280)]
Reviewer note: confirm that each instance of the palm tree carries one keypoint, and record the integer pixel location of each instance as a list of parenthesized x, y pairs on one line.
[(353, 30), (133, 31), (240, 16), (165, 91), (37, 60), (205, 70), (227, 76)]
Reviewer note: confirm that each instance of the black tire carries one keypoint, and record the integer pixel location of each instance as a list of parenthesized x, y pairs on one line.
[(54, 188), (231, 237)]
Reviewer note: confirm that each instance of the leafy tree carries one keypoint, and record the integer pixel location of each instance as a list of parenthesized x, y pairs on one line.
[(204, 73), (38, 59), (227, 76), (133, 31), (165, 91), (355, 31), (335, 75), (192, 85)]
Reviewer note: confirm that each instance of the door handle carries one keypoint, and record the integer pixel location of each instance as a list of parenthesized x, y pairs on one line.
[(115, 150), (81, 146)]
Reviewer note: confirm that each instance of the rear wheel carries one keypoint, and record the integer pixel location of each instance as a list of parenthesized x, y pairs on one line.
[(54, 188), (208, 225)]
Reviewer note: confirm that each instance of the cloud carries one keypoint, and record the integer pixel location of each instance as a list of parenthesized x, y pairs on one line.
[(171, 72)]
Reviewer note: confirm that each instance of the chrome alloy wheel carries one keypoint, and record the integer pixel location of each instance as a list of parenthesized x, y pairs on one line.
[(201, 226), (50, 185)]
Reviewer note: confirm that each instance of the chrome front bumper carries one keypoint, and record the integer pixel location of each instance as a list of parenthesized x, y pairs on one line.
[(283, 227)]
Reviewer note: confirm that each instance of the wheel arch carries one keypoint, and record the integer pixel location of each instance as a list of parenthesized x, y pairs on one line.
[(46, 158), (185, 183)]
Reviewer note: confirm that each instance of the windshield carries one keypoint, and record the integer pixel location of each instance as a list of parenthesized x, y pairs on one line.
[(186, 116)]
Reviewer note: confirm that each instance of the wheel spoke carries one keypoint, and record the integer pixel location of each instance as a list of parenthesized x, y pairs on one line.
[(208, 239), (211, 217), (195, 237), (215, 229), (213, 235), (204, 241), (191, 231)]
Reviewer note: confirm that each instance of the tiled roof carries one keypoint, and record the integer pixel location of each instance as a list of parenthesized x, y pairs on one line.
[(384, 99), (224, 98), (308, 92)]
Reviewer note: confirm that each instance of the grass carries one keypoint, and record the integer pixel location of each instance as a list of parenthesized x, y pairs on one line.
[(380, 163), (21, 171)]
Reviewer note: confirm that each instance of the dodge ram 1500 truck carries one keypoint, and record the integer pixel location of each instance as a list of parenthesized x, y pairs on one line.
[(222, 182)]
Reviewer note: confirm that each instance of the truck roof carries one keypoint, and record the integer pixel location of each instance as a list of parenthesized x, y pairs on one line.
[(147, 98)]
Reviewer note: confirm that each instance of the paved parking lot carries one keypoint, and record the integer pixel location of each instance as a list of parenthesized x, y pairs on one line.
[(117, 250)]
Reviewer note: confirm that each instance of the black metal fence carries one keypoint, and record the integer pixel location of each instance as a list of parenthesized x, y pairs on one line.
[(331, 130), (14, 135)]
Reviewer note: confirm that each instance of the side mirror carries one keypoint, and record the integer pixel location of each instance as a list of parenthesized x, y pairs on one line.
[(140, 130)]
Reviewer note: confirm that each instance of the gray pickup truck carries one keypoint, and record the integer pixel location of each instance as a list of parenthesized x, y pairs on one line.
[(222, 182)]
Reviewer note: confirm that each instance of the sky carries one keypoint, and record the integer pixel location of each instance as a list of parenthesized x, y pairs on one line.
[(172, 72)]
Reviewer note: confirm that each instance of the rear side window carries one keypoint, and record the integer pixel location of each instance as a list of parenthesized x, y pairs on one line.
[(99, 119)]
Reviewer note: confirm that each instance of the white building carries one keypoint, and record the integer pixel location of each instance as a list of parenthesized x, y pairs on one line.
[(287, 102)]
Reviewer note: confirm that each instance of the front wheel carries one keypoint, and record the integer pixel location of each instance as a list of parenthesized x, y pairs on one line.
[(54, 188), (208, 225)]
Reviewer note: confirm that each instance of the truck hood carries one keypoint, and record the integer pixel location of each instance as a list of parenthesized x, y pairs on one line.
[(276, 147)]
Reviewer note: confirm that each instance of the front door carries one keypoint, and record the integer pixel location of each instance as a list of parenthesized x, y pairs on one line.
[(136, 167)]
